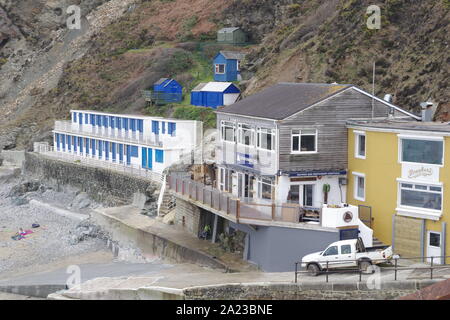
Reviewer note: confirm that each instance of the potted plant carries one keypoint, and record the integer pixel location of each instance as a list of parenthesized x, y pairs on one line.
[(326, 189)]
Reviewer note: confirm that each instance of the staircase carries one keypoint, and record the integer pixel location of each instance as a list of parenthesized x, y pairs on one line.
[(377, 242)]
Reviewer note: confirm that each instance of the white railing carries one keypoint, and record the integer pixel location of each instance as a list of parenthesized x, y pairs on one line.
[(106, 133), (119, 166)]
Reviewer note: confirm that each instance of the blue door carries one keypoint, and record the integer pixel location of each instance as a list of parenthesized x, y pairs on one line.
[(128, 155), (100, 149), (121, 153), (144, 158), (106, 150), (150, 159), (80, 143), (114, 152)]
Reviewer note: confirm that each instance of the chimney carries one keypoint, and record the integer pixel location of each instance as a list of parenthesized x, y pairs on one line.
[(427, 111), (388, 98)]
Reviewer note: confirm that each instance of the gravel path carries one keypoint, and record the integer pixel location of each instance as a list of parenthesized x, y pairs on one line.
[(48, 243)]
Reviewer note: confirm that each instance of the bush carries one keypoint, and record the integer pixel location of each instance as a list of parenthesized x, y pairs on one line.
[(206, 115), (179, 62)]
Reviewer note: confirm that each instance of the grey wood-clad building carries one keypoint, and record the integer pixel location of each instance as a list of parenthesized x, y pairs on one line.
[(231, 35), (284, 144)]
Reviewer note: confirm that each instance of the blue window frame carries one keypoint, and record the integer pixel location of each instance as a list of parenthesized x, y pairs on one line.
[(99, 120), (74, 117), (105, 121), (57, 141), (163, 127), (69, 143), (80, 144), (119, 123), (133, 124), (87, 146), (159, 156), (155, 127), (125, 123), (93, 144), (86, 118), (141, 126), (92, 119), (114, 152), (172, 128), (63, 141), (100, 148), (80, 118), (134, 152), (128, 154), (121, 152), (106, 150)]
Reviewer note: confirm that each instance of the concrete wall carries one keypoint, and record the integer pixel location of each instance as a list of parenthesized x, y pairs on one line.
[(111, 188), (276, 249), (13, 157), (187, 216)]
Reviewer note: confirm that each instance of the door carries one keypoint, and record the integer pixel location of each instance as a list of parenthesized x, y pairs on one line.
[(346, 256), (245, 186), (303, 194), (434, 245), (128, 148), (144, 158)]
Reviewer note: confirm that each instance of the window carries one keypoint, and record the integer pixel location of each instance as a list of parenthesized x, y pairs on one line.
[(159, 156), (360, 145), (346, 249), (434, 239), (422, 151), (220, 68), (304, 141), (266, 139), (246, 135), (331, 251), (421, 196), (265, 188), (228, 131), (359, 192), (171, 128)]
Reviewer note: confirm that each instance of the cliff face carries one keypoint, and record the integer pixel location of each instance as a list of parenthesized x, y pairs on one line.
[(124, 46)]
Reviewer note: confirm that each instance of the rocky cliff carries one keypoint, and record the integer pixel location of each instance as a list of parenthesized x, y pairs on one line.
[(124, 46)]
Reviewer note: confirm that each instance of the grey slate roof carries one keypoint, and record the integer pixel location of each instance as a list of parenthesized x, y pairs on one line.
[(200, 86), (160, 81), (233, 55), (227, 30), (283, 100)]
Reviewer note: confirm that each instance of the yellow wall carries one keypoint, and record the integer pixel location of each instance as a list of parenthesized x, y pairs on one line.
[(381, 168)]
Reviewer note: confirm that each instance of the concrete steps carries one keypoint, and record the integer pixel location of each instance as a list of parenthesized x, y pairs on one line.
[(377, 242)]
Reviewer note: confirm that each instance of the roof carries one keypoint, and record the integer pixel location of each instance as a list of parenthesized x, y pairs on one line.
[(213, 86), (283, 100), (161, 81), (230, 29), (233, 55), (401, 124)]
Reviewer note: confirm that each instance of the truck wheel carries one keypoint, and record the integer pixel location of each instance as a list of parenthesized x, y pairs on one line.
[(365, 266), (313, 269)]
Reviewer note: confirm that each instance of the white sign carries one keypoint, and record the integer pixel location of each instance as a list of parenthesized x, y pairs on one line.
[(420, 172)]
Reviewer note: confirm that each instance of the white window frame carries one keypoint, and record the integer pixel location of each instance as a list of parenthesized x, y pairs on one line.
[(241, 137), (272, 188), (401, 137), (418, 209), (228, 124), (357, 175), (357, 135), (272, 132), (217, 68), (299, 135)]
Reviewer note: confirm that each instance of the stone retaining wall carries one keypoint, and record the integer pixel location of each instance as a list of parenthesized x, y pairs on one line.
[(306, 291), (111, 188)]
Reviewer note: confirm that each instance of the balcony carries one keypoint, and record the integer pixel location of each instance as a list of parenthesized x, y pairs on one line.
[(161, 98), (244, 210), (124, 136)]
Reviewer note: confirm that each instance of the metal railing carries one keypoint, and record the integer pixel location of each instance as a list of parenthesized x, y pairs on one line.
[(239, 209), (393, 261), (119, 166), (106, 133), (162, 97)]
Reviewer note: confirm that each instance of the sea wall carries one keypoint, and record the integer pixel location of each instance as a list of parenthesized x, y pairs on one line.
[(112, 188)]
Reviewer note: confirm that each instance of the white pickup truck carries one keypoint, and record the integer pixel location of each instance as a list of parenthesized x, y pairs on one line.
[(346, 254)]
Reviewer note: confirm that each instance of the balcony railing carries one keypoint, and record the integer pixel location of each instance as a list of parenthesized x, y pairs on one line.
[(161, 97), (243, 209), (106, 133), (88, 160)]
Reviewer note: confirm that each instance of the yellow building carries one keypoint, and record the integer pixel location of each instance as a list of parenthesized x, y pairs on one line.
[(399, 171)]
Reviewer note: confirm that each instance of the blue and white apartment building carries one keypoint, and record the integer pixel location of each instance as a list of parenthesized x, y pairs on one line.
[(151, 143)]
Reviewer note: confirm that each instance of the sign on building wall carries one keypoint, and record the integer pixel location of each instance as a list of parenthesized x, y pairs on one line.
[(420, 172)]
